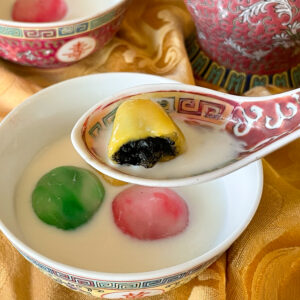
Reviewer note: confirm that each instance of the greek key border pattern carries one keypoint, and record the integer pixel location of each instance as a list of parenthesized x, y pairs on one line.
[(169, 280), (63, 31)]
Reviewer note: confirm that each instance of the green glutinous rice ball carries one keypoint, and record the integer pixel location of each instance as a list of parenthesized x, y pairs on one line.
[(67, 197)]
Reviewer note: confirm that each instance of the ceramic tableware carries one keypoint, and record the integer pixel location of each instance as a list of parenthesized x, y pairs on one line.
[(85, 29), (52, 113), (260, 124), (241, 44)]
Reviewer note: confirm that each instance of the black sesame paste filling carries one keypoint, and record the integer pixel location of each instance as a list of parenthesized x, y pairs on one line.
[(145, 152)]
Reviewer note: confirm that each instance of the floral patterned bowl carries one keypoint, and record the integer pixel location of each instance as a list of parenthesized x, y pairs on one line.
[(38, 122), (58, 44)]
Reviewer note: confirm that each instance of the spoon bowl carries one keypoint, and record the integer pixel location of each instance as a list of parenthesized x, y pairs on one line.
[(260, 124)]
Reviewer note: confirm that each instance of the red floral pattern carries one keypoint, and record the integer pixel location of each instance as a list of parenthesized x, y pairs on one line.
[(251, 36), (42, 52)]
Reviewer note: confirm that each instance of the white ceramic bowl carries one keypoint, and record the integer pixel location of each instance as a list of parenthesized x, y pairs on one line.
[(51, 114), (87, 27)]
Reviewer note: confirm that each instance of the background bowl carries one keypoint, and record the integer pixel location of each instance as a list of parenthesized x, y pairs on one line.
[(58, 44), (52, 113)]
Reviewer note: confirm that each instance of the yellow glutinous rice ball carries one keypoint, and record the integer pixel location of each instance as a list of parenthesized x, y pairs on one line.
[(143, 134)]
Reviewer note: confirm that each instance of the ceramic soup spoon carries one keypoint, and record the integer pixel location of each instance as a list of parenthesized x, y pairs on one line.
[(256, 125)]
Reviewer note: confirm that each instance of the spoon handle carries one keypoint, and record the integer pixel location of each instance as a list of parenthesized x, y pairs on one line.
[(262, 122)]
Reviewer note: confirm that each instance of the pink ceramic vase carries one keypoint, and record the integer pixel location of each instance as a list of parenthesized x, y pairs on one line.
[(259, 37)]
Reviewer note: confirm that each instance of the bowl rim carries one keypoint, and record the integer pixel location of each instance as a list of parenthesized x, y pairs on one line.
[(61, 23), (138, 276)]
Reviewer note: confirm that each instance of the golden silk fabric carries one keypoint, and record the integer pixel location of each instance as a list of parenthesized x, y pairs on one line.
[(264, 263)]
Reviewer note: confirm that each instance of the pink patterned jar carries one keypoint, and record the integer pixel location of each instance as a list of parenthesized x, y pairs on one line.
[(260, 37)]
